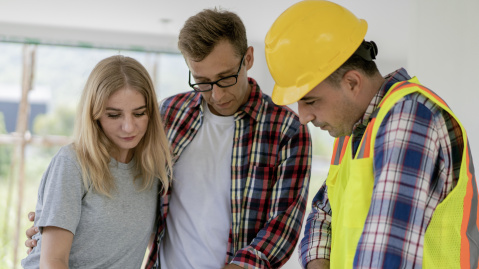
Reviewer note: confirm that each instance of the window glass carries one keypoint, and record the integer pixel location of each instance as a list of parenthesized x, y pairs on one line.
[(59, 78)]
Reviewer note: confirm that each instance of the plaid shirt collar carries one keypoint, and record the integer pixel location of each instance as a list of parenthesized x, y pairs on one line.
[(392, 78), (255, 104)]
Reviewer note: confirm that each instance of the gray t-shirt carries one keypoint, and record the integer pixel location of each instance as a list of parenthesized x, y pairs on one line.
[(108, 232)]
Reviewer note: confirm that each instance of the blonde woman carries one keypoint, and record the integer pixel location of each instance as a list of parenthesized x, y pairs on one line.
[(101, 191)]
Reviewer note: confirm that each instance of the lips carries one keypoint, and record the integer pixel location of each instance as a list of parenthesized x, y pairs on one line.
[(128, 138)]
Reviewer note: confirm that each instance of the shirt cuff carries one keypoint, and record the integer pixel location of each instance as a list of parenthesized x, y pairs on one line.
[(249, 257)]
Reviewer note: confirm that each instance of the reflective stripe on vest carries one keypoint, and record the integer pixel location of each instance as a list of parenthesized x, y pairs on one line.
[(452, 237), (339, 148)]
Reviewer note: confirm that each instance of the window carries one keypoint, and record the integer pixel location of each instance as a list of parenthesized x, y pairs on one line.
[(59, 77)]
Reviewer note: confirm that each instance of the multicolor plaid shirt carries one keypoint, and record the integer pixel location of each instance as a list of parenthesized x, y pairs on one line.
[(405, 194), (270, 172)]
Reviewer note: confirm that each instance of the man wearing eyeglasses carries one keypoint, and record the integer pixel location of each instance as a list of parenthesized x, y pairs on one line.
[(242, 163)]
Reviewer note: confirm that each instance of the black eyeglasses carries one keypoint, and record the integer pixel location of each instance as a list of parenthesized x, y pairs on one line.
[(222, 82)]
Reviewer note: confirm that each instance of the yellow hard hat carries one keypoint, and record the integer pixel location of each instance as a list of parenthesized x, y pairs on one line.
[(307, 43)]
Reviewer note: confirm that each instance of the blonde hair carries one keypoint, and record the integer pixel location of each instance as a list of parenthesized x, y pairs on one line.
[(152, 154)]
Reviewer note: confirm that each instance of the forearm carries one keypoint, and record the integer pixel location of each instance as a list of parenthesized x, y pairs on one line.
[(316, 243), (276, 241), (271, 248), (276, 225)]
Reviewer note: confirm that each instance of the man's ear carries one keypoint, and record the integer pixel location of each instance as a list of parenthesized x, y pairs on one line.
[(353, 81), (249, 57)]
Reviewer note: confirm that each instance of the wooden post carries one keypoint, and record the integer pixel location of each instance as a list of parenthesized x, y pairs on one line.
[(10, 179), (22, 129)]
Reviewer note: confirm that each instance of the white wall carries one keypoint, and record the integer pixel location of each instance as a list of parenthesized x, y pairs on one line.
[(443, 53), (260, 71), (442, 50)]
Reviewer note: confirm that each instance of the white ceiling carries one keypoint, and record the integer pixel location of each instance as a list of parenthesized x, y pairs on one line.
[(163, 17)]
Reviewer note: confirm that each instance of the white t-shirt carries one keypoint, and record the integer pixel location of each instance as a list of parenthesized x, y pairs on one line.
[(199, 216)]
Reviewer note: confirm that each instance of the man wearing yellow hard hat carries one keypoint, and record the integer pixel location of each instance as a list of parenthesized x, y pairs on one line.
[(401, 190)]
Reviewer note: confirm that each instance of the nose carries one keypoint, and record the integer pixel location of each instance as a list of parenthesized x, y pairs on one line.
[(128, 124), (217, 93), (305, 115)]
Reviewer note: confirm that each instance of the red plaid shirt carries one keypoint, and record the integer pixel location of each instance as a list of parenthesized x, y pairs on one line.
[(270, 172)]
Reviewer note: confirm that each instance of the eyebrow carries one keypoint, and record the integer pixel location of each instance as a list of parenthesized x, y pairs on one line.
[(226, 73), (117, 109)]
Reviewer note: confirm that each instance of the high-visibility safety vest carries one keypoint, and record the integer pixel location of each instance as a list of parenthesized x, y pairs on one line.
[(452, 237)]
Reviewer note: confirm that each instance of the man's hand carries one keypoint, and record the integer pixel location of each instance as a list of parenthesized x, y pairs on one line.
[(232, 266), (318, 264), (30, 243)]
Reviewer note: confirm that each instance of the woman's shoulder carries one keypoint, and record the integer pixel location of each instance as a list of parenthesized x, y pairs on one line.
[(67, 151), (66, 154)]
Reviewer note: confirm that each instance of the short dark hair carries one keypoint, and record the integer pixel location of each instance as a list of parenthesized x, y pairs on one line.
[(361, 60), (203, 31)]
